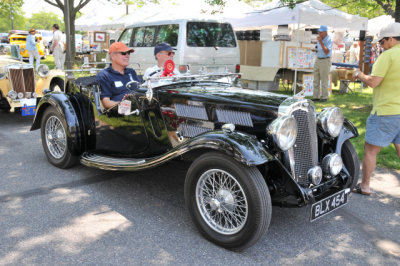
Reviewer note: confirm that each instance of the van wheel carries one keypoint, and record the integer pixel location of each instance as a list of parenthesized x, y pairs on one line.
[(229, 202)]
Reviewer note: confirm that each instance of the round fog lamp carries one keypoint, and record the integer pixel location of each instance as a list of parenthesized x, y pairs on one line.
[(332, 164), (315, 175)]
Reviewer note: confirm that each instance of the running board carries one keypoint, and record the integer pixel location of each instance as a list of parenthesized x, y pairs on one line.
[(124, 164)]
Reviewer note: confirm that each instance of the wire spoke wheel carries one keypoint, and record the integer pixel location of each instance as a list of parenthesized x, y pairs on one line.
[(55, 137), (221, 201)]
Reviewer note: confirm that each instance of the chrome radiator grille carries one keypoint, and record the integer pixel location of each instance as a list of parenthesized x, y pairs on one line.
[(22, 79), (305, 150)]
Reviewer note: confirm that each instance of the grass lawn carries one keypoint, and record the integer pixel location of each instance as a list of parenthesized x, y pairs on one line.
[(356, 107)]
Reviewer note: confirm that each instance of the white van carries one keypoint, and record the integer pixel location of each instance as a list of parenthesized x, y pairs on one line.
[(209, 43)]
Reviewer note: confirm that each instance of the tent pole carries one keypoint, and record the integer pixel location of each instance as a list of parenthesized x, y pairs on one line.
[(296, 59)]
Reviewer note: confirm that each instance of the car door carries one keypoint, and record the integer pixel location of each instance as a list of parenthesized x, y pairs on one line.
[(120, 131)]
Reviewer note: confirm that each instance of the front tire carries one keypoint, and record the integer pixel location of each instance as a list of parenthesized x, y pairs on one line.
[(55, 140), (351, 162), (229, 202)]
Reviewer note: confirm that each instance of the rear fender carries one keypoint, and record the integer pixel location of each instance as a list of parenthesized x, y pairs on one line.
[(66, 110)]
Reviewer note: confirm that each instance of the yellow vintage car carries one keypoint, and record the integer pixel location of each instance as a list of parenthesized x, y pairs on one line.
[(20, 39), (20, 85)]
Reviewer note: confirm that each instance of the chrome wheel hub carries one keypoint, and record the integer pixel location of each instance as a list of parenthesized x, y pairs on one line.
[(56, 140), (221, 201)]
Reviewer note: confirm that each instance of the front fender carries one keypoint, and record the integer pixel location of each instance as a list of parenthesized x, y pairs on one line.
[(44, 82), (348, 131), (242, 147), (64, 107)]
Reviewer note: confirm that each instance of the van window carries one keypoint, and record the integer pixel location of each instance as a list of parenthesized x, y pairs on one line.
[(210, 34), (168, 34), (138, 37), (126, 36), (149, 36)]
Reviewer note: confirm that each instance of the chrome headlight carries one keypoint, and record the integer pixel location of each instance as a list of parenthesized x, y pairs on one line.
[(12, 94), (284, 131), (43, 70), (331, 120), (332, 164)]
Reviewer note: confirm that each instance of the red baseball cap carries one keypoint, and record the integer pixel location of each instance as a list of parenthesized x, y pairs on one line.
[(119, 47)]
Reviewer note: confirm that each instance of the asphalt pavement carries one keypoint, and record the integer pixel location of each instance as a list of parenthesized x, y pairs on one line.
[(51, 216)]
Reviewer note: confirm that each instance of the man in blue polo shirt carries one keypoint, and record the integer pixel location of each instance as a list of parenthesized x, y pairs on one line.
[(322, 64), (113, 79)]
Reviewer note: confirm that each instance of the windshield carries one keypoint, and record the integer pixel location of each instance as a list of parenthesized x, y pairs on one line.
[(210, 34), (47, 34)]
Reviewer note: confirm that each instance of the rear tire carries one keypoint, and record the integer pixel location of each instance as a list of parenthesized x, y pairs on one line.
[(55, 140), (229, 202), (351, 162)]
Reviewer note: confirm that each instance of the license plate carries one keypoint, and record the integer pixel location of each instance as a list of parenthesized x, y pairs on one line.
[(327, 205)]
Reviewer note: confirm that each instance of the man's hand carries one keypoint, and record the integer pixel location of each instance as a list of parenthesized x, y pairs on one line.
[(319, 38), (356, 73)]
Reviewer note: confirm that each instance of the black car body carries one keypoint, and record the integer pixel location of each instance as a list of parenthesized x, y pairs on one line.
[(249, 149)]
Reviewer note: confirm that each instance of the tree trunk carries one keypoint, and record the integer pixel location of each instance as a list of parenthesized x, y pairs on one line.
[(397, 11)]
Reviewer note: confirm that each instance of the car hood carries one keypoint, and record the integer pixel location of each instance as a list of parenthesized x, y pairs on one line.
[(239, 97)]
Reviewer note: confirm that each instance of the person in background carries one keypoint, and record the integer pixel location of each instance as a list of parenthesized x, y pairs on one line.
[(162, 53), (57, 47), (32, 48), (354, 54), (113, 80), (322, 64), (383, 124)]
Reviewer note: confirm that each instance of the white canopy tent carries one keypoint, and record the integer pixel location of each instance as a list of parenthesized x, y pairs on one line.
[(311, 12), (375, 24), (165, 10)]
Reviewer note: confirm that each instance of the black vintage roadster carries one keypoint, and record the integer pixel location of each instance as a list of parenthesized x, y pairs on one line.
[(248, 149)]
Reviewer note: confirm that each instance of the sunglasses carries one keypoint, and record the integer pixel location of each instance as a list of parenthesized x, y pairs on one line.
[(381, 42), (170, 53), (124, 53)]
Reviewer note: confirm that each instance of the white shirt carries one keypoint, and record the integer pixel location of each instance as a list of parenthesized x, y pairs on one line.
[(57, 36), (156, 71)]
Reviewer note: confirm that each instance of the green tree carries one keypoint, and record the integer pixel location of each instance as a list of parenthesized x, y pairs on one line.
[(11, 15), (44, 20), (73, 13)]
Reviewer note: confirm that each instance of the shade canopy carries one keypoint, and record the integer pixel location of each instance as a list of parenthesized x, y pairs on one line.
[(311, 12)]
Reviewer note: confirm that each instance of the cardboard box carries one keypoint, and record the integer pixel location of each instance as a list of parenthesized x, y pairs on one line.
[(250, 52)]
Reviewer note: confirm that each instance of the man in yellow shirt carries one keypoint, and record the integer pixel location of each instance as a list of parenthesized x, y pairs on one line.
[(383, 124)]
